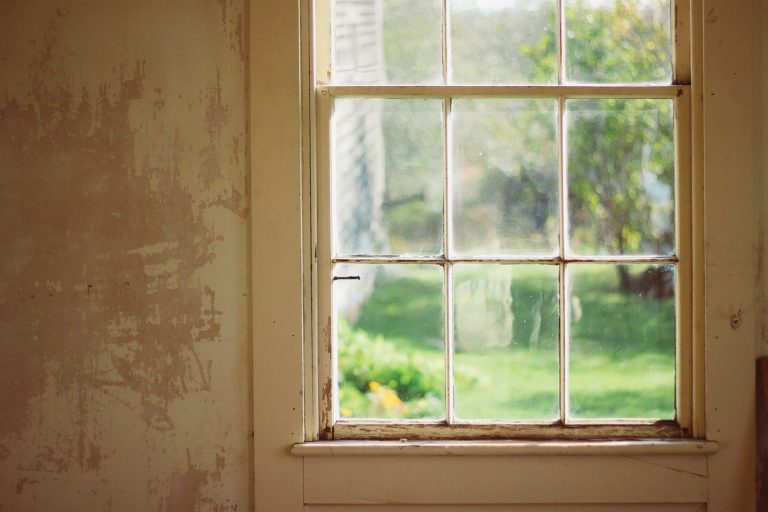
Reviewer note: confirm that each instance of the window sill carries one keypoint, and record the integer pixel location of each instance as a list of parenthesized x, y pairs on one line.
[(500, 448)]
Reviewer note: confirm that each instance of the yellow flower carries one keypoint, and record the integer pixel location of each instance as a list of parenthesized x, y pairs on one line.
[(390, 398)]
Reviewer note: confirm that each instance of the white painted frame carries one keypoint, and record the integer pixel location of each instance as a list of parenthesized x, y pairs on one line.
[(330, 426), (619, 478)]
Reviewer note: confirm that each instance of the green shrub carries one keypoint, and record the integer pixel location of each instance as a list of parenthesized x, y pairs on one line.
[(381, 378), (364, 359)]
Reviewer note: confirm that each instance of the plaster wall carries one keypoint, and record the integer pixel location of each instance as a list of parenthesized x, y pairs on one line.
[(124, 327), (761, 146)]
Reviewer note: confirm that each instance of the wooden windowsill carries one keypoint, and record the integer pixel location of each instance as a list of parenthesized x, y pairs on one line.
[(499, 448)]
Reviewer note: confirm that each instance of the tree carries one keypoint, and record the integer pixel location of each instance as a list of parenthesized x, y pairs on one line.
[(620, 151), (620, 161)]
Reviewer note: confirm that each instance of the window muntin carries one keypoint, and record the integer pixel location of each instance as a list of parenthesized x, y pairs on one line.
[(541, 117)]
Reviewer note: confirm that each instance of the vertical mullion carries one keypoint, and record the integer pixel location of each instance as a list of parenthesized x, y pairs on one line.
[(562, 290), (445, 42), (448, 316), (681, 41), (447, 266), (560, 18)]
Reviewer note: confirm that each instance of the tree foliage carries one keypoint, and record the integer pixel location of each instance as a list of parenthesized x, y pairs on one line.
[(620, 152)]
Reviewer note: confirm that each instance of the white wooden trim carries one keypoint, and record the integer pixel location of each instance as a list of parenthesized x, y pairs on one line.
[(698, 239), (569, 507), (520, 479), (328, 425), (684, 269), (681, 26), (276, 252), (731, 230), (493, 448), (310, 57), (321, 253)]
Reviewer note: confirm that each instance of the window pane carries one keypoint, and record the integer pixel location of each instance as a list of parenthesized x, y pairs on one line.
[(622, 352), (618, 41), (389, 337), (504, 177), (621, 176), (503, 42), (387, 41), (388, 177), (506, 342)]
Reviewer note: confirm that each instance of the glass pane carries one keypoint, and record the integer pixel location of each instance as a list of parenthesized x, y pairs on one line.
[(621, 176), (618, 41), (389, 334), (504, 177), (506, 342), (503, 42), (388, 177), (622, 352), (387, 41)]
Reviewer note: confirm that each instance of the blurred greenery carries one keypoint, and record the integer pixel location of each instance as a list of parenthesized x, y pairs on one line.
[(622, 358), (620, 152), (620, 158)]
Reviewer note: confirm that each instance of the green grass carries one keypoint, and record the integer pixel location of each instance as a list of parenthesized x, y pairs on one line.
[(622, 358)]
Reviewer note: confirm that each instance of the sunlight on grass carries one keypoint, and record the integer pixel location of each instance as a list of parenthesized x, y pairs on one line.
[(391, 359)]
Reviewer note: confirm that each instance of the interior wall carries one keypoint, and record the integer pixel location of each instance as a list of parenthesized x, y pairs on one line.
[(761, 146), (124, 327)]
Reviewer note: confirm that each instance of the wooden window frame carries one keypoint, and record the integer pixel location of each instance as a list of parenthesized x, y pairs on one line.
[(322, 422), (717, 474)]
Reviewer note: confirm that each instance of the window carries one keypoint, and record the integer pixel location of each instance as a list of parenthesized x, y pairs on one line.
[(503, 219)]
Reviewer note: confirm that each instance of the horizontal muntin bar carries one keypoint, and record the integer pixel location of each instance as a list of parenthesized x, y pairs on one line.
[(522, 260), (505, 91)]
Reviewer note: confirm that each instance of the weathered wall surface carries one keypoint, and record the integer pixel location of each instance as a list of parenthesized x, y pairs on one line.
[(761, 158), (124, 332)]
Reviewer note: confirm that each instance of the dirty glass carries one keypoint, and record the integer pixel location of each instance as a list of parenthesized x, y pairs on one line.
[(494, 42), (618, 41), (506, 328), (387, 42), (622, 341), (389, 339), (388, 176), (621, 176), (504, 177)]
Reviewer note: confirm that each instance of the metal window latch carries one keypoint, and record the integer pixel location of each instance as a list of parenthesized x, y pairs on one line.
[(346, 278)]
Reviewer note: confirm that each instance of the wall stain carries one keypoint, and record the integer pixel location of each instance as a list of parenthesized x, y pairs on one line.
[(217, 116), (98, 274), (240, 36), (187, 489), (223, 6), (22, 481)]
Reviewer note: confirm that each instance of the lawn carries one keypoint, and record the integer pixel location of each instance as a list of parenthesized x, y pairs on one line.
[(506, 362)]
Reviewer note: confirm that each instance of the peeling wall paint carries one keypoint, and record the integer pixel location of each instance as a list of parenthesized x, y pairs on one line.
[(123, 276), (761, 158)]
